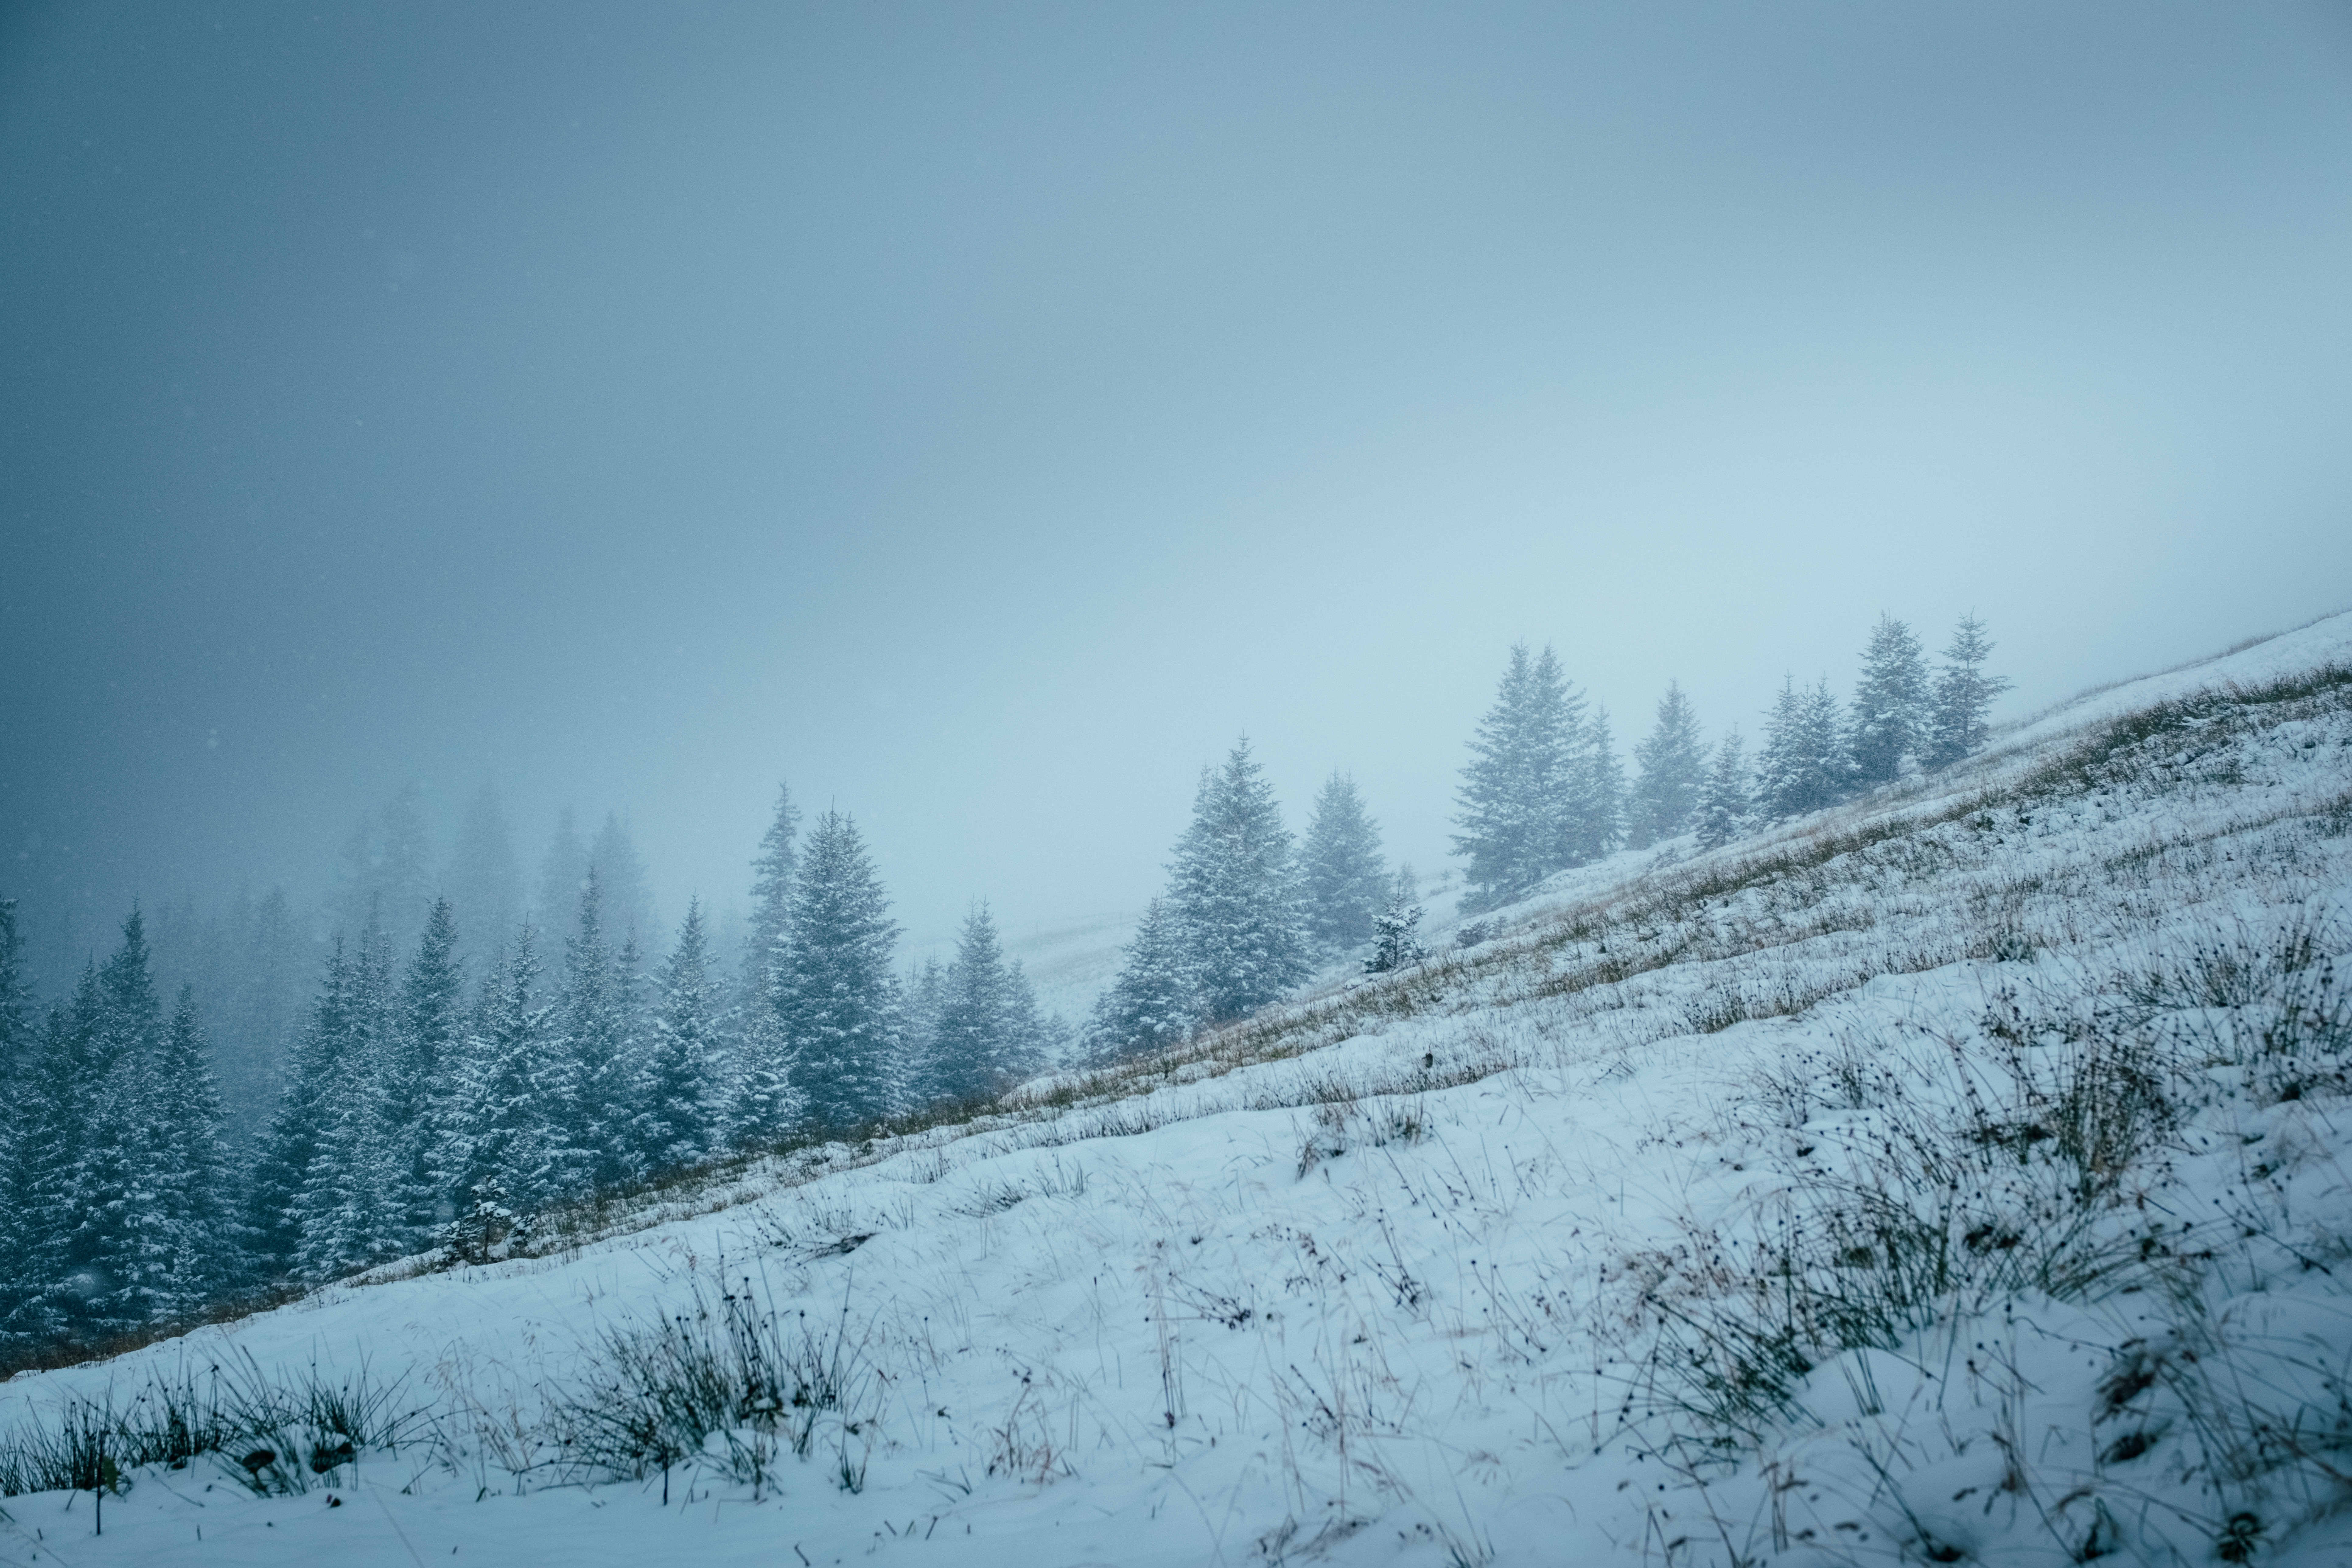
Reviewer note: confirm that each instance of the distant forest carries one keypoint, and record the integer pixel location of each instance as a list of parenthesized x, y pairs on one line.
[(220, 1107)]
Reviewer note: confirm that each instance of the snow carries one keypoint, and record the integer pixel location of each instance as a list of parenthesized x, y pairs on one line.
[(1388, 1290)]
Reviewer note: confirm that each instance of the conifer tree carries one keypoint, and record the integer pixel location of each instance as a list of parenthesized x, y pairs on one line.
[(291, 1142), (681, 1117), (1962, 697), (1889, 705), (429, 1041), (1153, 1002), (1671, 766), (1345, 882), (403, 871), (561, 872), (1234, 889), (986, 1028), (484, 885), (764, 1102), (1517, 791), (836, 997), (197, 1240), (347, 1213), (1397, 942), (1724, 804), (1594, 821), (1804, 767), (260, 1012), (52, 1125), (494, 1158), (622, 883), (590, 1104), (23, 1083)]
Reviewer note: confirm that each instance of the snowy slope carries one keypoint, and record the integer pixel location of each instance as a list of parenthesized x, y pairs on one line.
[(1962, 1177)]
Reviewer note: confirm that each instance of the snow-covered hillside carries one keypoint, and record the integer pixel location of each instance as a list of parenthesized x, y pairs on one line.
[(1960, 1176)]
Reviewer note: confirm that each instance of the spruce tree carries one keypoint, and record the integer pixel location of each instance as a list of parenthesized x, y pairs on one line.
[(347, 1213), (1889, 705), (1671, 766), (1517, 790), (198, 1236), (1344, 881), (1233, 889), (836, 997), (561, 872), (305, 1095), (591, 1104), (24, 1084), (428, 1045), (1594, 821), (986, 1029), (495, 1158), (1805, 765), (1154, 1002), (764, 1104), (109, 1260), (1397, 941), (52, 1122), (484, 885), (681, 1114), (1962, 697), (1725, 805)]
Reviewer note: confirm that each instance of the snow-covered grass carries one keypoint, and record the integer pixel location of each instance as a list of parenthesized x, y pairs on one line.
[(1960, 1176)]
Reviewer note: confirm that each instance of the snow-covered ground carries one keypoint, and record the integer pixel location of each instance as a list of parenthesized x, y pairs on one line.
[(1958, 1177)]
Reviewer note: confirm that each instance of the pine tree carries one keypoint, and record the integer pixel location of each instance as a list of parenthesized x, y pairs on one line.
[(681, 1113), (591, 1103), (494, 1158), (1397, 942), (1154, 1002), (1594, 820), (561, 872), (198, 1237), (347, 1213), (1889, 705), (261, 1011), (1345, 882), (1517, 791), (291, 1142), (1671, 767), (764, 1103), (1963, 696), (836, 997), (1234, 892), (484, 886), (429, 1042), (1724, 804), (986, 1029), (110, 1262), (1804, 767), (29, 1135), (53, 1124), (626, 889)]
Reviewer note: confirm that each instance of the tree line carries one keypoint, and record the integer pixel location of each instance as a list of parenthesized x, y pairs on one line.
[(418, 1106)]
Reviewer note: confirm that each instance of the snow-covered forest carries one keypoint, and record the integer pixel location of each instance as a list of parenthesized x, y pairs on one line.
[(1716, 1203), (458, 1062)]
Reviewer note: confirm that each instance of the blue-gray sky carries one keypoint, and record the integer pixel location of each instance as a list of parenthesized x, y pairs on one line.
[(980, 414)]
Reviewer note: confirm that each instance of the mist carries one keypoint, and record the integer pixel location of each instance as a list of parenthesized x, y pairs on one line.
[(979, 418)]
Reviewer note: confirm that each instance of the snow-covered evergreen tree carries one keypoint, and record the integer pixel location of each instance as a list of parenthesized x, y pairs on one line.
[(66, 1092), (682, 1112), (985, 1032), (305, 1095), (1593, 823), (1670, 765), (1517, 791), (622, 883), (347, 1213), (196, 1234), (561, 872), (428, 1043), (1396, 940), (764, 1102), (1804, 765), (1343, 876), (1234, 889), (836, 995), (590, 1103), (1890, 705), (1962, 697), (1153, 1002), (484, 886), (494, 1157), (1725, 805)]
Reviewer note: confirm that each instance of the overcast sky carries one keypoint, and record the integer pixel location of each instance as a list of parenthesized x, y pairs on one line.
[(980, 414)]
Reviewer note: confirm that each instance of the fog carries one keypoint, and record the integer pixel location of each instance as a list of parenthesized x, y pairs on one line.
[(980, 416)]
